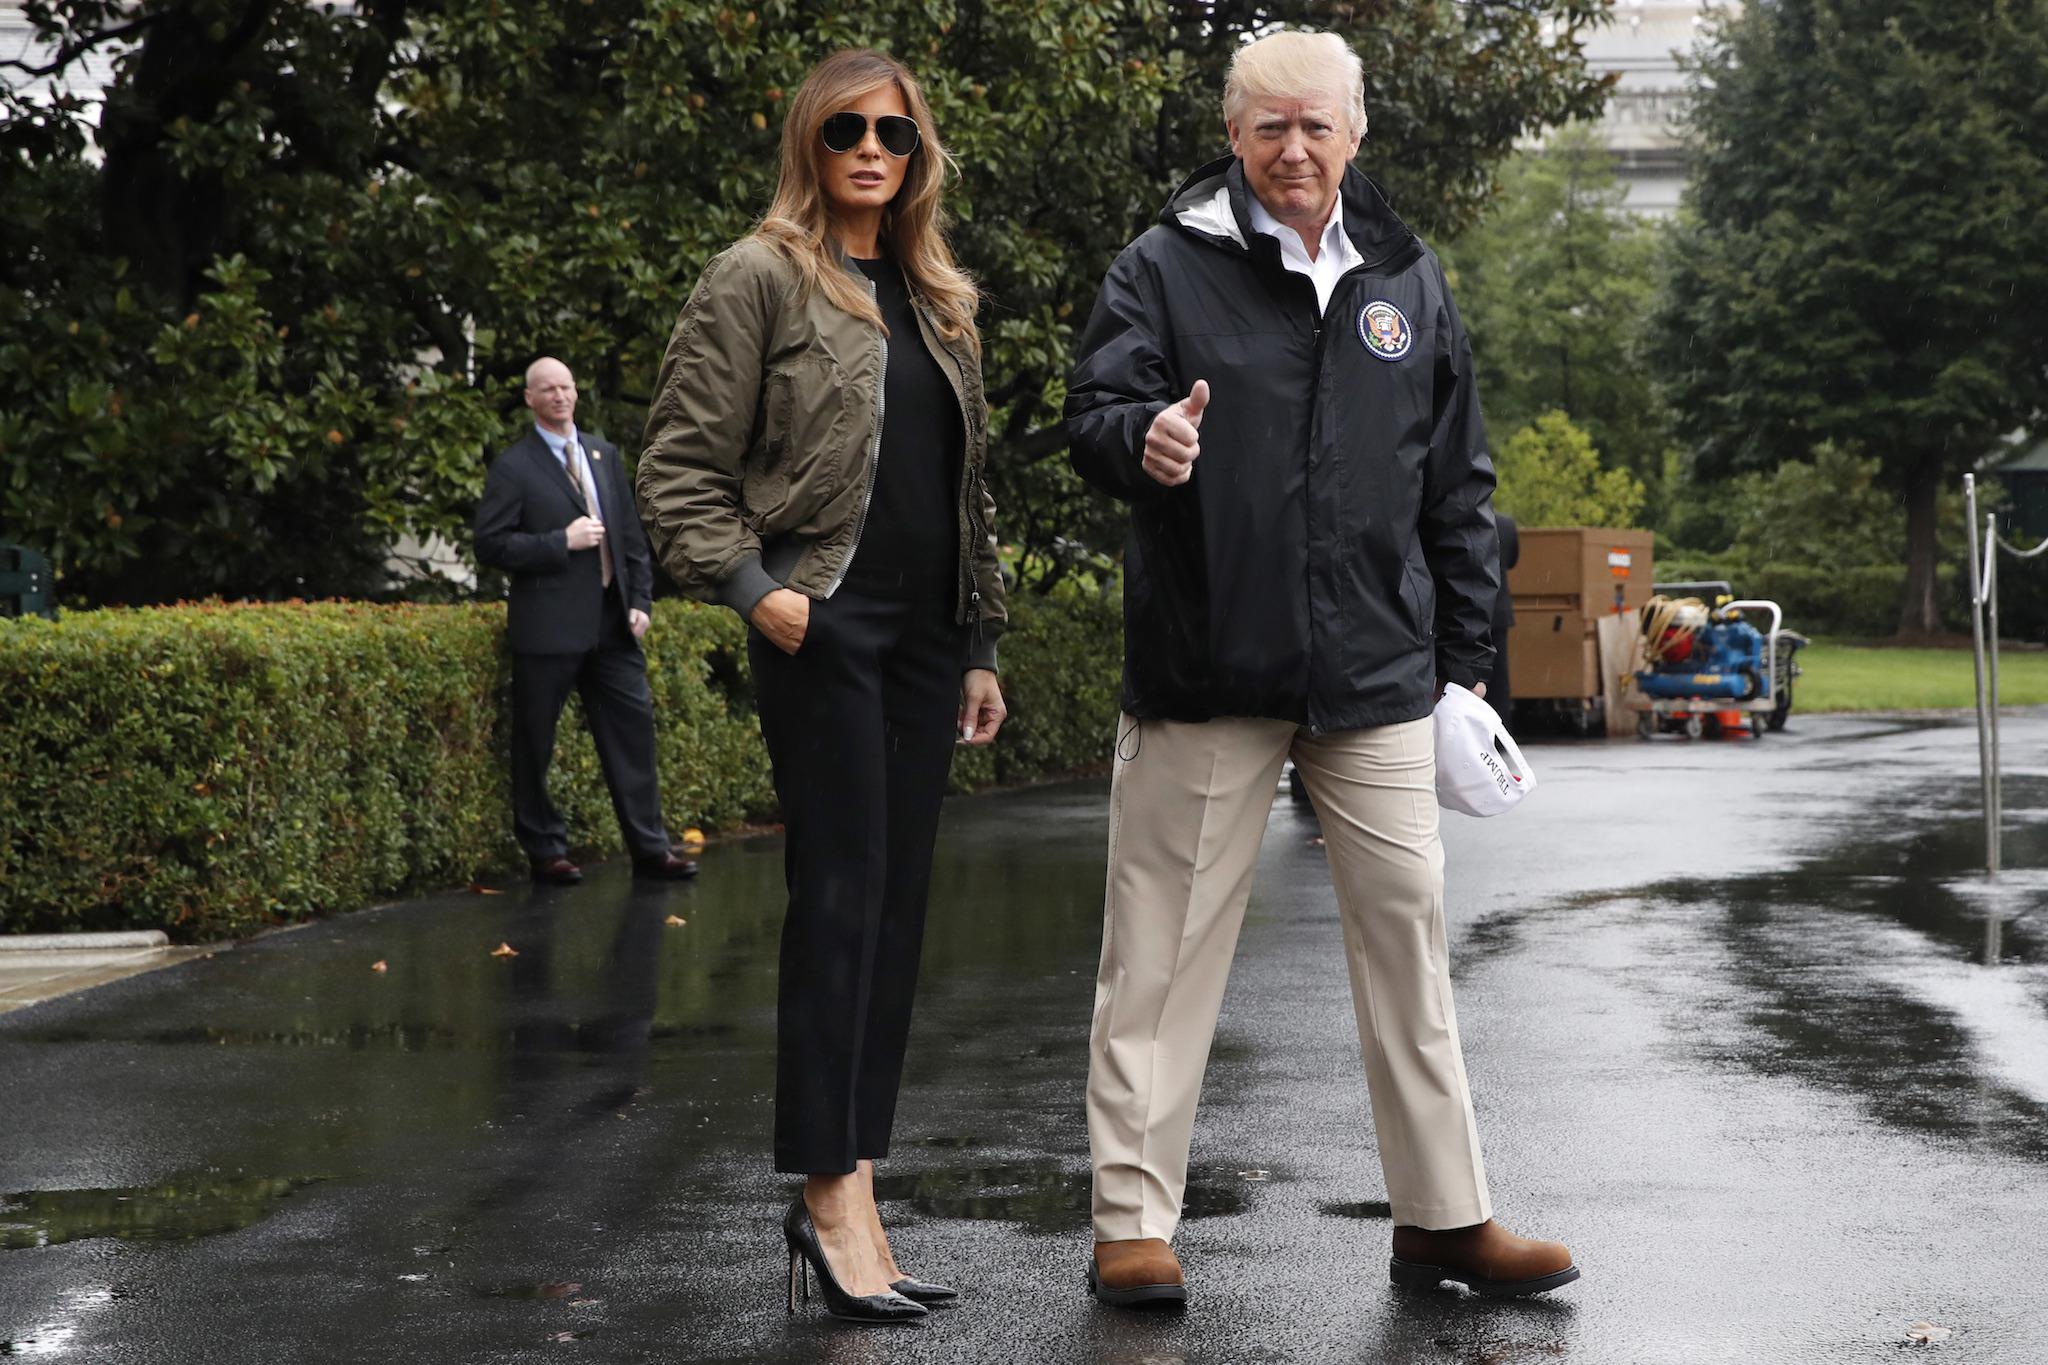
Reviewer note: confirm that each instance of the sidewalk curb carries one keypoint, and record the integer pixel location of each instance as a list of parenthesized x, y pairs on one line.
[(48, 943)]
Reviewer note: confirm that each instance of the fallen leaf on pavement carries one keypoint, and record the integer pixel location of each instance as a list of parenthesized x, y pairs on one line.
[(504, 950), (559, 1289), (380, 965), (675, 921), (1926, 1333), (479, 889)]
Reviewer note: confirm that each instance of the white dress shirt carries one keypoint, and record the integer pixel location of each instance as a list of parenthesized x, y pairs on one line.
[(1333, 258), (561, 446)]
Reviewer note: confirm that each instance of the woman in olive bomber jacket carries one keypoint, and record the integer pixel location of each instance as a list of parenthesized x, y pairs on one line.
[(813, 460)]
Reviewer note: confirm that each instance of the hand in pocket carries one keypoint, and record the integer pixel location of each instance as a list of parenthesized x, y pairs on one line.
[(784, 616)]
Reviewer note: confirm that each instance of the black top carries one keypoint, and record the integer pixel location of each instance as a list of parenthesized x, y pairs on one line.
[(910, 544)]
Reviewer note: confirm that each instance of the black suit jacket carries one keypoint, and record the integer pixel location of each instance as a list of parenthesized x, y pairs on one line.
[(558, 594)]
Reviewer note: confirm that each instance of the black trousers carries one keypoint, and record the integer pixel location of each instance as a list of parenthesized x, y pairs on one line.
[(859, 724), (612, 680)]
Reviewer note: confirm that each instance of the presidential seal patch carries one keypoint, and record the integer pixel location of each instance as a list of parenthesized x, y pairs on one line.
[(1384, 330)]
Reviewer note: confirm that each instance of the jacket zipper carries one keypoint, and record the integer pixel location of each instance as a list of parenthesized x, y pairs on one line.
[(867, 498), (972, 531), (1322, 317), (976, 533)]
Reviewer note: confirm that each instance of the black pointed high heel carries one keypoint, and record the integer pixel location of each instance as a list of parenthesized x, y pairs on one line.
[(924, 1291), (806, 1254)]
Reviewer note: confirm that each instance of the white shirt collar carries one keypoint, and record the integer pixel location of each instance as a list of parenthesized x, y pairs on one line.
[(1334, 237), (1334, 257), (556, 443)]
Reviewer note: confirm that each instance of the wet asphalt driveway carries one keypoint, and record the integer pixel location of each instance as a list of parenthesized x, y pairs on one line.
[(1743, 1025)]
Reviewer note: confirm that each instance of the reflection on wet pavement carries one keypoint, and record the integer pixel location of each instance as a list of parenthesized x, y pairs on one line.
[(1882, 969), (191, 1206), (1045, 1198), (1775, 1100)]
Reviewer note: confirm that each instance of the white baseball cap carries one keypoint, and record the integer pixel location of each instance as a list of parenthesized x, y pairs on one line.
[(1479, 768)]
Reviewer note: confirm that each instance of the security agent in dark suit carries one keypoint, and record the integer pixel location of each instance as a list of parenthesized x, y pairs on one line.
[(557, 515)]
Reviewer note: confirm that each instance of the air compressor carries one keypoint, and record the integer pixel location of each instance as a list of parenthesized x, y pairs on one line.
[(1699, 664)]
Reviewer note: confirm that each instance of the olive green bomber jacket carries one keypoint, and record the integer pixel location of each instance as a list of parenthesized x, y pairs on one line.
[(758, 458)]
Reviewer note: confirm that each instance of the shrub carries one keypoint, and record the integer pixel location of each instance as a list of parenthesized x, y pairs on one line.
[(1062, 667), (1853, 600), (214, 768), (1550, 475), (208, 769)]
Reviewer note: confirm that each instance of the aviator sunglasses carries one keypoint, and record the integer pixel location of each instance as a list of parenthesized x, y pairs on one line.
[(897, 134)]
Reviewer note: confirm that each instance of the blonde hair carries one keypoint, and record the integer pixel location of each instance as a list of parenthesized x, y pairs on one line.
[(1296, 65), (914, 223)]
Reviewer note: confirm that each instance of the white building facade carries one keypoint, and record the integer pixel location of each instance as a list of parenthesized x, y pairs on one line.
[(1641, 45)]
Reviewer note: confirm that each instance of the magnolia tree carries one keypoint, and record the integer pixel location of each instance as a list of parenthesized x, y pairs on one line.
[(275, 293)]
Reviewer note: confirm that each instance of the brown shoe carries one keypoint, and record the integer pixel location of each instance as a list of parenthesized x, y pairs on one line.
[(556, 871), (1141, 1272), (665, 867), (1485, 1257)]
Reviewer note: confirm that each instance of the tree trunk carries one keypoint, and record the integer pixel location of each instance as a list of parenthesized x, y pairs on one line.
[(1920, 613)]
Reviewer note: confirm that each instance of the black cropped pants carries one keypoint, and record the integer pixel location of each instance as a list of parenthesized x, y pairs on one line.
[(860, 724)]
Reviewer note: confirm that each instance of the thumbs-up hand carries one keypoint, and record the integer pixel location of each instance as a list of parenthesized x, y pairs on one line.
[(1174, 439)]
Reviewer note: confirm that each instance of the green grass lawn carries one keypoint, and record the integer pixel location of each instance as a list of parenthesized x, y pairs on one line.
[(1859, 677)]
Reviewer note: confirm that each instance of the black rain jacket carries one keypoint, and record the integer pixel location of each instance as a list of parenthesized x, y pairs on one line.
[(1333, 556)]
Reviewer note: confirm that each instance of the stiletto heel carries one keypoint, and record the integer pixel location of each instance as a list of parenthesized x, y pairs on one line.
[(807, 1253)]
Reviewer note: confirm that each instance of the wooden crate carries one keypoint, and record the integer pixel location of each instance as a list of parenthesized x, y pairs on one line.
[(1566, 579)]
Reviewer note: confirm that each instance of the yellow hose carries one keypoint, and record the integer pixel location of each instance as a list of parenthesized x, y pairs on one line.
[(1660, 614)]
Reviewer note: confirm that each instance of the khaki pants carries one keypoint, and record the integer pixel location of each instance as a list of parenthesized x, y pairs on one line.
[(1188, 806)]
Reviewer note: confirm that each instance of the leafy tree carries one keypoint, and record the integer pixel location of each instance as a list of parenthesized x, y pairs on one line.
[(1555, 284), (1550, 475), (277, 294), (1863, 259), (1830, 510)]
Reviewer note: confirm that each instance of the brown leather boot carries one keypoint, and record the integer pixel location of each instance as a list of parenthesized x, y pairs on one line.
[(1142, 1271), (1485, 1257)]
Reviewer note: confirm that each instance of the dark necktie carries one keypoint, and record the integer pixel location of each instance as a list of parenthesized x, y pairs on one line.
[(604, 547)]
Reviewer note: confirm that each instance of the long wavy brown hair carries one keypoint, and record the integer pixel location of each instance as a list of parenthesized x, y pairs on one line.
[(914, 223)]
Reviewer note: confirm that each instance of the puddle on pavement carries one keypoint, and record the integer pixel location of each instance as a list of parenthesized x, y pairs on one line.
[(1928, 878), (1892, 968), (1049, 1198), (1361, 1208), (1885, 965), (176, 1211)]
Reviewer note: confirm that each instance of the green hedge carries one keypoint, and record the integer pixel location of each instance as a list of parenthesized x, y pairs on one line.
[(211, 769), (1859, 602)]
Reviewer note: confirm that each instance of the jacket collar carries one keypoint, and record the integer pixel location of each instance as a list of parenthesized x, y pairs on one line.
[(956, 353), (1214, 204), (537, 451)]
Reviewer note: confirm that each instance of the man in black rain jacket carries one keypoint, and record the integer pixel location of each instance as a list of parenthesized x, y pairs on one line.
[(1275, 379)]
